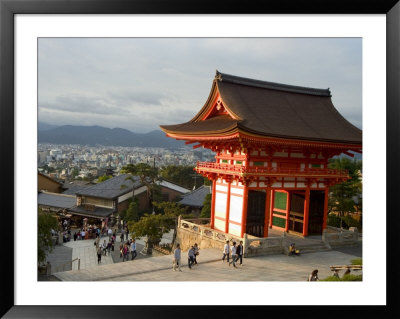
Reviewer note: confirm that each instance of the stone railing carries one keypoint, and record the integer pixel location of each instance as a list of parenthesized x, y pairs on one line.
[(201, 227), (261, 246), (336, 236), (252, 245)]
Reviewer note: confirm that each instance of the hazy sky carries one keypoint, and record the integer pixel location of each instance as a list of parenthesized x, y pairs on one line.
[(141, 83)]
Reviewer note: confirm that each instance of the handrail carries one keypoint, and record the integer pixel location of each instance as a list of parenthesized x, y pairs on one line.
[(68, 262)]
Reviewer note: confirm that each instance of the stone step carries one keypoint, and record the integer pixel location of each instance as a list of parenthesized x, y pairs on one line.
[(313, 248)]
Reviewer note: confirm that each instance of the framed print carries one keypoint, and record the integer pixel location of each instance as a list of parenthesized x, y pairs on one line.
[(25, 25)]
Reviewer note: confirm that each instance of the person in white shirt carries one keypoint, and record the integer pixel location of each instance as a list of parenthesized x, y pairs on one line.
[(177, 257), (226, 252), (109, 233), (104, 246), (234, 256), (133, 249)]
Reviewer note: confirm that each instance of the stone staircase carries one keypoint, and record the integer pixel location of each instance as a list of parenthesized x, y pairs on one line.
[(307, 246), (312, 248)]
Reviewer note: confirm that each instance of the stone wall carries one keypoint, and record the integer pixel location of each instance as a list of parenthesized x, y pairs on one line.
[(187, 238)]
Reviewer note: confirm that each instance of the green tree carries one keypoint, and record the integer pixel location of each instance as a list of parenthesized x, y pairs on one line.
[(171, 211), (132, 212), (182, 175), (152, 226), (342, 195), (103, 178), (74, 172), (206, 210), (46, 223)]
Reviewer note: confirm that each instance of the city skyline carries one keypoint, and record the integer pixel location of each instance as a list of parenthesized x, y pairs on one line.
[(141, 83)]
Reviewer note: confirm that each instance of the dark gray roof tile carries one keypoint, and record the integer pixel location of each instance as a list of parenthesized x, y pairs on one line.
[(111, 188)]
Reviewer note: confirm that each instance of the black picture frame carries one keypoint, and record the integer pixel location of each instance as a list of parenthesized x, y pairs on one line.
[(8, 8)]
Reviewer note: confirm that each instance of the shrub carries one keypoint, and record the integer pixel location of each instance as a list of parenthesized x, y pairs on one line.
[(347, 222), (334, 220), (351, 222), (357, 261), (349, 277)]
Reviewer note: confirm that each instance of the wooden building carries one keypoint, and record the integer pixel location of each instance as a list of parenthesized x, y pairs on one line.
[(48, 184), (272, 143)]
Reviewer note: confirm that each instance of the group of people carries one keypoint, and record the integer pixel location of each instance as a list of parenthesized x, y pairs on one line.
[(128, 248), (104, 247), (236, 253), (193, 252)]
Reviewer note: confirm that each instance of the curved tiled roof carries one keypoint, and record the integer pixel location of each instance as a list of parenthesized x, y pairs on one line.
[(196, 197), (111, 188), (272, 110)]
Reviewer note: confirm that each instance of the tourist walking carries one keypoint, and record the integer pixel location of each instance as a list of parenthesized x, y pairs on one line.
[(239, 252), (226, 252), (83, 234), (125, 252), (109, 233), (104, 247), (177, 257), (112, 242), (313, 276), (97, 241), (191, 257), (196, 253), (133, 248), (75, 236), (121, 250), (122, 235), (233, 253), (99, 255)]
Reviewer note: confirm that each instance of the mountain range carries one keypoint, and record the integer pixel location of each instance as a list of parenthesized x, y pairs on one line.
[(98, 135)]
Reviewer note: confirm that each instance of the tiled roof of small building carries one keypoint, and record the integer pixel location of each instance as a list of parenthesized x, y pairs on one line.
[(97, 212), (173, 186), (111, 188), (56, 200), (196, 197), (72, 190)]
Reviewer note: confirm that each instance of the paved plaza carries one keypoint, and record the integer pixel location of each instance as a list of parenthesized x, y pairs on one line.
[(210, 266)]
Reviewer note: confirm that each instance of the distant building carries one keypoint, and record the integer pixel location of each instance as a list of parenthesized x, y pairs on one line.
[(49, 184), (171, 191), (107, 199)]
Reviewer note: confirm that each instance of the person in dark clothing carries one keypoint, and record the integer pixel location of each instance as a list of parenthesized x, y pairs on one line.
[(239, 252), (75, 236)]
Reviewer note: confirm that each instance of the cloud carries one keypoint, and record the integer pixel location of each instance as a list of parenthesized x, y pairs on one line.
[(139, 83)]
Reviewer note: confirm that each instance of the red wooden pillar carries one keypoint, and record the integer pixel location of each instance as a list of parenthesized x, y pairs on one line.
[(244, 210), (325, 208), (272, 207), (267, 211), (306, 208), (214, 181), (287, 211), (228, 201)]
